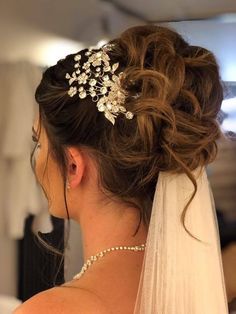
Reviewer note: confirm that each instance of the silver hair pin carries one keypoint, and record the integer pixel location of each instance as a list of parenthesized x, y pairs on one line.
[(104, 89)]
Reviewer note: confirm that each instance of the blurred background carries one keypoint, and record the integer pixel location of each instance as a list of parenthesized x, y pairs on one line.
[(35, 35)]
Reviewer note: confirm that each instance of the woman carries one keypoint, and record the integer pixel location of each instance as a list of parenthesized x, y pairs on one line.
[(122, 134)]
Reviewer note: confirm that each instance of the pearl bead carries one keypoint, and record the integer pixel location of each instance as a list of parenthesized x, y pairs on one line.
[(77, 57), (129, 115), (82, 95)]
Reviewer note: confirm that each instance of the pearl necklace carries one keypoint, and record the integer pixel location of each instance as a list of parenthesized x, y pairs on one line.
[(94, 258)]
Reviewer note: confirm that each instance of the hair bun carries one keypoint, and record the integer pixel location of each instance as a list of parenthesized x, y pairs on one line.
[(176, 94)]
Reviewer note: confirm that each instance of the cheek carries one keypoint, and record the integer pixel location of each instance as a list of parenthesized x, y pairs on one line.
[(55, 190), (40, 164), (51, 181)]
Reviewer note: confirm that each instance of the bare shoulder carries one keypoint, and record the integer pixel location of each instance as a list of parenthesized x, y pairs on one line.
[(63, 300)]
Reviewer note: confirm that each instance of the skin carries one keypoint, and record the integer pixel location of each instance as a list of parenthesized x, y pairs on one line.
[(104, 223)]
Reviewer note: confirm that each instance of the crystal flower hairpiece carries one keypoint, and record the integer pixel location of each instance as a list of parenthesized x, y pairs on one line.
[(104, 85)]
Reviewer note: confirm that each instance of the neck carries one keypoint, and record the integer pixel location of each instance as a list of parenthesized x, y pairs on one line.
[(110, 229)]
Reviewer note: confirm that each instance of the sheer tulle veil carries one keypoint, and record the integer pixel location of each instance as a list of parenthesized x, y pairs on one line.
[(181, 274)]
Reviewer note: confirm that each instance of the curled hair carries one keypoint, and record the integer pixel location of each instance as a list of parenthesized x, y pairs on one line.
[(175, 93)]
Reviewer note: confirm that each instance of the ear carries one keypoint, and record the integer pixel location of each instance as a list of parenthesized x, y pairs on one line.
[(76, 166)]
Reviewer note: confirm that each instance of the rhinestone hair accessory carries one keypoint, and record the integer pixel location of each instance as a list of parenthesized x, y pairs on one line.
[(104, 85)]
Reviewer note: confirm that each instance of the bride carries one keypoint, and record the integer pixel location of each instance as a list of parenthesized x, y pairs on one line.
[(123, 134)]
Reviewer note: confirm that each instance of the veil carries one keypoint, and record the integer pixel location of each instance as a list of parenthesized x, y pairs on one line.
[(180, 274)]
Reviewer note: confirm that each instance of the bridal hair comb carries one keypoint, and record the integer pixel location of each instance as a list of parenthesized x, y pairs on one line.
[(103, 85)]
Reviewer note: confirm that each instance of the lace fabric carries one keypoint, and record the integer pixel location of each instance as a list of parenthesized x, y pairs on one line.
[(180, 274)]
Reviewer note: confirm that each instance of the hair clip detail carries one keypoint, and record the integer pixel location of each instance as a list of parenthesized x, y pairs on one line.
[(96, 78)]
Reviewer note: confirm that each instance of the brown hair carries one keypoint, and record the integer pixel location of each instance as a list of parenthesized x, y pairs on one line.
[(175, 128)]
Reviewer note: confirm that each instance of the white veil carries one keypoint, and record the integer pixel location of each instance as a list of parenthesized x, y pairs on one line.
[(180, 274)]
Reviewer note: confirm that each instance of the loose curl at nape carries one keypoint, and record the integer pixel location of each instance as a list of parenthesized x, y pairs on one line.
[(175, 93)]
